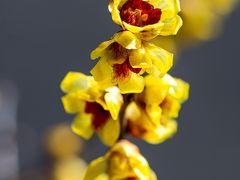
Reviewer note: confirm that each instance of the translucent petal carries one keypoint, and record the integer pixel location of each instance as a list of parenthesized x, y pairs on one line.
[(140, 166), (134, 85), (157, 87), (140, 59), (154, 112), (113, 8), (147, 32), (82, 125), (161, 133), (171, 26), (114, 101), (96, 168), (169, 8), (75, 81), (172, 108), (100, 49), (179, 89), (110, 132), (72, 104), (162, 60), (102, 71), (127, 40), (153, 176)]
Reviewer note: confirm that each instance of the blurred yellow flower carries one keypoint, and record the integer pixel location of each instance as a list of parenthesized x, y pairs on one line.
[(147, 19), (71, 168), (203, 21), (223, 6), (200, 21), (123, 161), (97, 107), (125, 57), (152, 114), (61, 142)]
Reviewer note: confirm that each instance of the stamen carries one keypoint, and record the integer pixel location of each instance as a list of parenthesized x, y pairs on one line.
[(122, 71), (139, 13)]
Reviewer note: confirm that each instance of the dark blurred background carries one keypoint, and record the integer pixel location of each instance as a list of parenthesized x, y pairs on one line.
[(40, 41)]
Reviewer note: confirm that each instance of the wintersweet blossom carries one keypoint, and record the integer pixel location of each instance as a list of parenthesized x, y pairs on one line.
[(97, 108), (124, 58), (122, 161), (152, 114), (223, 6), (203, 19), (147, 18)]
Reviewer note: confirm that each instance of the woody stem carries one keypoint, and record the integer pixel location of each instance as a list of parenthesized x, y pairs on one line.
[(123, 120)]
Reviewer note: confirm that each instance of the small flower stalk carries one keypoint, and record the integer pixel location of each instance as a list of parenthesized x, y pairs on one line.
[(129, 91)]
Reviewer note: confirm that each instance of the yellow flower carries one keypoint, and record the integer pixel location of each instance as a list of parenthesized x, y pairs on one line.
[(147, 19), (61, 142), (152, 114), (203, 19), (166, 42), (223, 6), (71, 168), (200, 21), (125, 57), (97, 108), (123, 161)]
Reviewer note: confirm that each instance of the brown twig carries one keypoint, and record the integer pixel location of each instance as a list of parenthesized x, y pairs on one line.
[(123, 120)]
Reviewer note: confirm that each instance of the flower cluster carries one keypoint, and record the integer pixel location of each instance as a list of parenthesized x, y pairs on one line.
[(203, 21), (129, 90)]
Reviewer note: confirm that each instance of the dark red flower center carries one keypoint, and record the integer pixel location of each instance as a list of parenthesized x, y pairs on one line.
[(139, 13), (99, 115), (123, 70), (131, 178)]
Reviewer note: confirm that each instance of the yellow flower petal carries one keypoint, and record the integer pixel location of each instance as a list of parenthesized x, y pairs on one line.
[(134, 85), (161, 133), (82, 125), (110, 132), (75, 81), (153, 176), (182, 91), (140, 167), (171, 26), (103, 176), (154, 112), (97, 168), (179, 89), (166, 42), (154, 86), (147, 32), (113, 8), (127, 40), (171, 107), (140, 59), (169, 8), (162, 60), (114, 101), (100, 49), (102, 71), (72, 104)]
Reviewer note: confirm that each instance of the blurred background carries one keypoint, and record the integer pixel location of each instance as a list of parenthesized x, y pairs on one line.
[(41, 40)]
